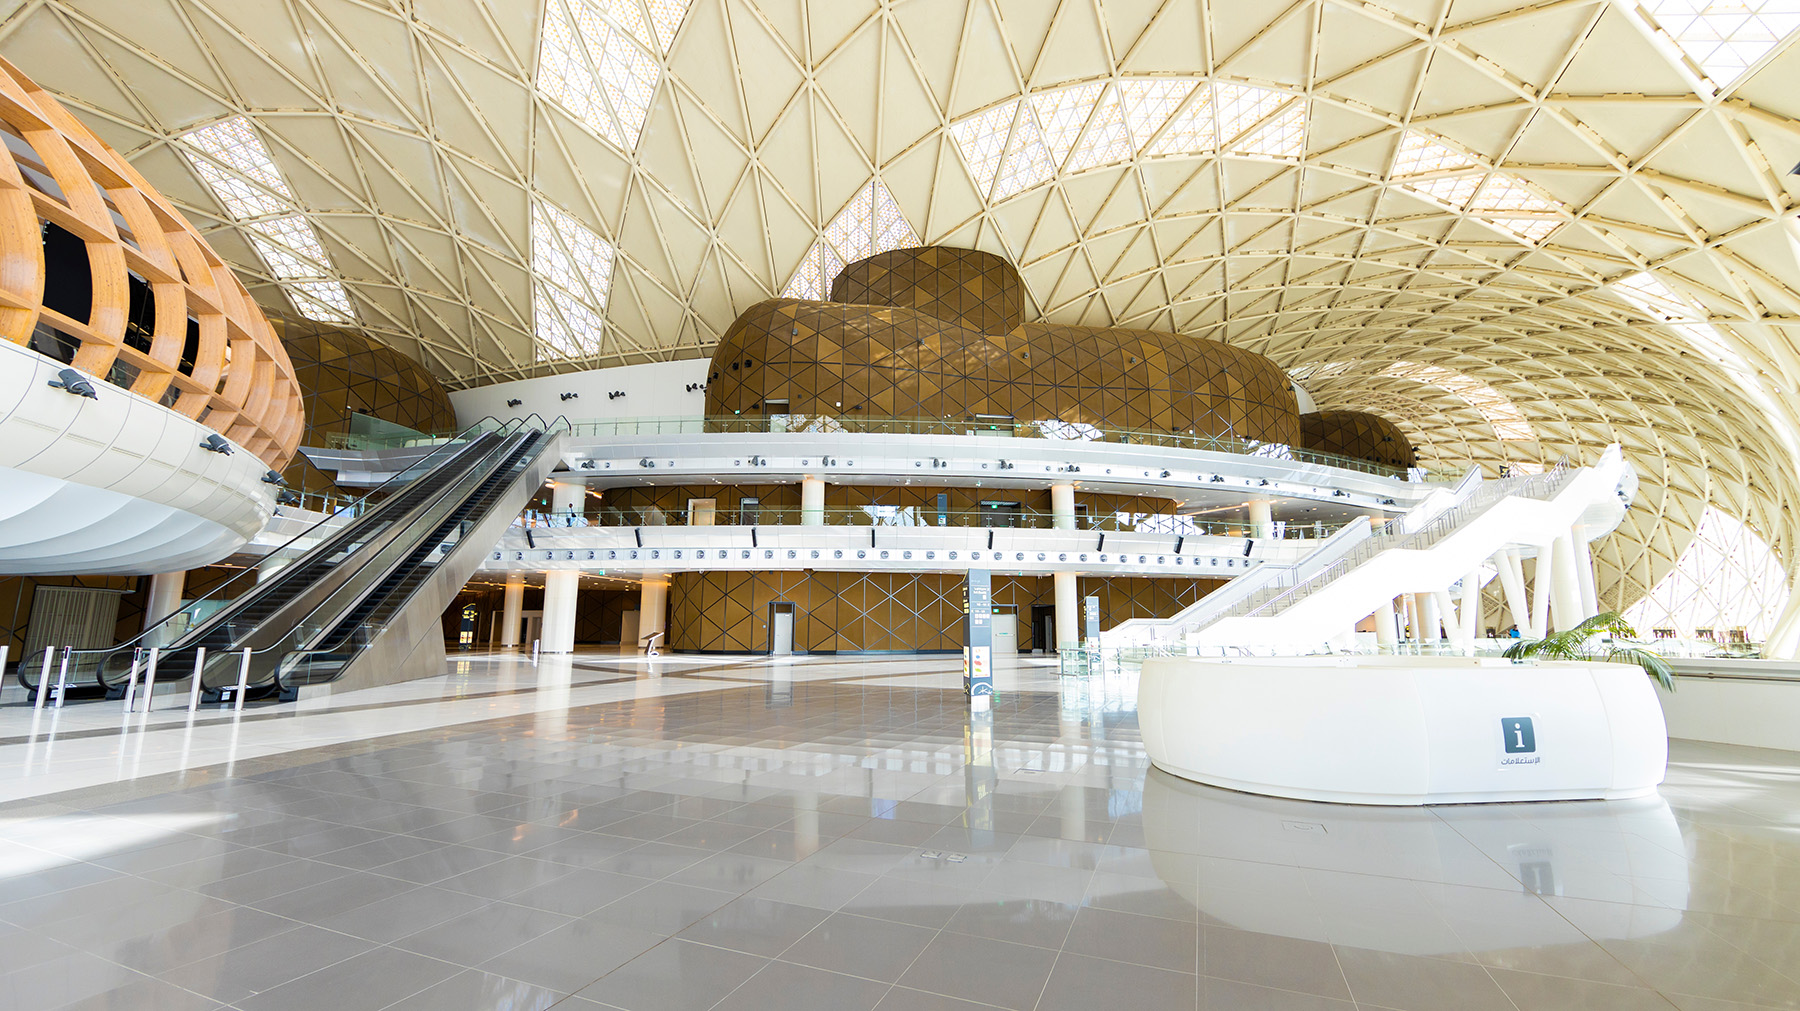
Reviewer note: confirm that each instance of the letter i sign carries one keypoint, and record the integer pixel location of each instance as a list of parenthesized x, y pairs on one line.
[(1518, 735)]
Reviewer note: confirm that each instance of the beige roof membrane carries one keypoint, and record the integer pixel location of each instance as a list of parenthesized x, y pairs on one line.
[(1520, 230)]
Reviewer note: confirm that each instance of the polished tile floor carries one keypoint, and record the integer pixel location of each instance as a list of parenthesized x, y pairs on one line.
[(830, 835)]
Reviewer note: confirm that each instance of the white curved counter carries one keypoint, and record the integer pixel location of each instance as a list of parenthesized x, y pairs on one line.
[(1405, 730)]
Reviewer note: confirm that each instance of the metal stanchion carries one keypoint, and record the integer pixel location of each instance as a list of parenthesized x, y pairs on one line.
[(137, 659), (150, 679), (243, 684), (44, 679), (62, 678), (199, 668)]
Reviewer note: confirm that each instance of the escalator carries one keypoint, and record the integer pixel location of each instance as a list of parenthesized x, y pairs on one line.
[(371, 588)]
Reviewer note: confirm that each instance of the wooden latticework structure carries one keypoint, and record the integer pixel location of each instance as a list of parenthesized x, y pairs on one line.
[(102, 273)]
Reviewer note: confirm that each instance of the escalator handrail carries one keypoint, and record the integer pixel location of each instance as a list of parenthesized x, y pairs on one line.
[(498, 479), (459, 443), (371, 570)]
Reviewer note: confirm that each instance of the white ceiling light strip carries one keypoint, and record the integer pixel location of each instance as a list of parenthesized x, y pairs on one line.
[(598, 60), (870, 223), (1508, 421), (571, 275), (231, 159), (1723, 38)]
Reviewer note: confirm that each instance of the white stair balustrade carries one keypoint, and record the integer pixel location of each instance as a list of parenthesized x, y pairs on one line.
[(1347, 577)]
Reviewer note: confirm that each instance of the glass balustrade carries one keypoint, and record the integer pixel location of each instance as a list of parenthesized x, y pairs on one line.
[(793, 424)]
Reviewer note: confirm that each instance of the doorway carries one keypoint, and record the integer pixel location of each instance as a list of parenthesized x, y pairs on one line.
[(1000, 514), (533, 630), (1043, 628), (781, 628)]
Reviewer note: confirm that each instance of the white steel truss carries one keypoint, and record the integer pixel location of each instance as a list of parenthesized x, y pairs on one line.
[(1584, 206)]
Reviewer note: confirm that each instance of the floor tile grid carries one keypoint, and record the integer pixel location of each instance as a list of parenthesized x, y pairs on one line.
[(1073, 956)]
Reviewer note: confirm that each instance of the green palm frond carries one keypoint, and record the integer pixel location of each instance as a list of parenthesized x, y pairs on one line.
[(1577, 644)]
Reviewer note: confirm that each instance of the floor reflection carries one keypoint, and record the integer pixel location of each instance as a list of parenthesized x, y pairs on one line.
[(1416, 881)]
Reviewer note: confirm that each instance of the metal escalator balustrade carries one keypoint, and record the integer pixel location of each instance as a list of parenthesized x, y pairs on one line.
[(321, 604), (218, 620), (360, 628)]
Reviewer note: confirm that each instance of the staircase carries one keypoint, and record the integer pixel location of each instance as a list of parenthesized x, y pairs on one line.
[(1348, 576)]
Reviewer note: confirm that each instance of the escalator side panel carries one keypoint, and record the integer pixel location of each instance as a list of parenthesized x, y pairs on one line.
[(411, 646)]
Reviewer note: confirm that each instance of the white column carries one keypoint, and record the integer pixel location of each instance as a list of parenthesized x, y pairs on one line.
[(1429, 620), (1262, 518), (560, 590), (1068, 615), (1565, 585), (568, 500), (1471, 607), (1540, 593), (1409, 614), (512, 610), (1062, 514), (1584, 571), (812, 502), (653, 606), (1384, 623), (1512, 582), (1453, 629), (165, 596)]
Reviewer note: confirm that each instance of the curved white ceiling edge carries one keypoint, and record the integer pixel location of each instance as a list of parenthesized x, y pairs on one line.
[(114, 484)]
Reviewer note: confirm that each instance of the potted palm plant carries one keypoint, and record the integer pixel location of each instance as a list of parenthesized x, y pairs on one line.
[(1616, 643)]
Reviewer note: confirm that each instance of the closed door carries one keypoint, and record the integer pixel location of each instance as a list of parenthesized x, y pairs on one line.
[(781, 634)]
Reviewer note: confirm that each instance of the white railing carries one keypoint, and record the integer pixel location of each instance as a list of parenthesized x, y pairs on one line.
[(1274, 588)]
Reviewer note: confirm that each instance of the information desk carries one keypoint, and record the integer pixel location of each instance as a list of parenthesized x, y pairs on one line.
[(1405, 730)]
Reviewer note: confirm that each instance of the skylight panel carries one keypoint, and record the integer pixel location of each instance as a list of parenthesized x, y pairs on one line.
[(1242, 106), (289, 246), (1106, 139), (1724, 37), (982, 140), (667, 16), (1027, 162), (870, 223), (1530, 229), (1502, 193), (1061, 115), (1726, 578), (1149, 104), (1660, 301), (231, 159), (597, 59), (324, 301), (1508, 422), (563, 75), (1193, 130), (572, 275), (1420, 155), (1451, 191), (1284, 136)]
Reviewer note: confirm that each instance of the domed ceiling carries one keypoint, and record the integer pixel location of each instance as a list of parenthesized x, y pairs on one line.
[(1519, 230)]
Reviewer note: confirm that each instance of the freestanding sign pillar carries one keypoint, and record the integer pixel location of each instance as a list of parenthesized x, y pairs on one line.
[(1090, 613), (978, 638)]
